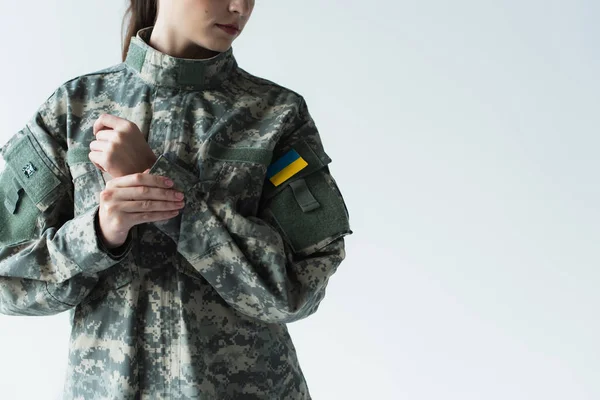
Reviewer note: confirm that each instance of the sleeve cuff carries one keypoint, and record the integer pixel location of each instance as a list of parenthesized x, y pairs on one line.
[(196, 229), (116, 253), (182, 179), (83, 246)]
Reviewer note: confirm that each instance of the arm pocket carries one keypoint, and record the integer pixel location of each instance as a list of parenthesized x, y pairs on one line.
[(31, 169), (28, 187), (307, 208), (18, 214), (310, 212)]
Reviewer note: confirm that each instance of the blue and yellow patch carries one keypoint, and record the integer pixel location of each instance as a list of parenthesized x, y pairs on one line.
[(287, 166)]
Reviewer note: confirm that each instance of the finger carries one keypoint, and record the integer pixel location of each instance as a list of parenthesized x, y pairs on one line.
[(143, 217), (97, 158), (111, 122), (136, 218), (146, 171), (138, 206), (100, 145), (106, 135), (137, 193), (141, 179)]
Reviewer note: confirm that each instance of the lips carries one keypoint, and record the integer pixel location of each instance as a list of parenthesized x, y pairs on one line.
[(231, 29)]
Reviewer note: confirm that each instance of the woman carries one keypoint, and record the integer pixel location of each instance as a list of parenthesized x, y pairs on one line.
[(180, 208)]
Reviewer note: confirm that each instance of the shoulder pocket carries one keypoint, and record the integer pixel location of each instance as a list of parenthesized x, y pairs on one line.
[(28, 187), (315, 160), (18, 214), (30, 167), (308, 207)]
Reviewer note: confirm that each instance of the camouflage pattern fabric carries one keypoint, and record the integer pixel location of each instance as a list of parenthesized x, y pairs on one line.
[(194, 307)]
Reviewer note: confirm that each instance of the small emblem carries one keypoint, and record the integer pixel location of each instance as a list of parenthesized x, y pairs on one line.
[(29, 169), (285, 167)]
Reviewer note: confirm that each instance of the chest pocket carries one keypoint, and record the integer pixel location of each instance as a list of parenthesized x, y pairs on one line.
[(88, 182), (235, 172), (226, 178)]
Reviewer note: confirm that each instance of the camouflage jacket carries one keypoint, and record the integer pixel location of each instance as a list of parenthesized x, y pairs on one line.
[(194, 307)]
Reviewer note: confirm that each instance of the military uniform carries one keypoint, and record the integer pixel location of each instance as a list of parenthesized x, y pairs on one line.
[(194, 307)]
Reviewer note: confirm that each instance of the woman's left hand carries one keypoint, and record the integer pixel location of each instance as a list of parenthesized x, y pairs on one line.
[(120, 147)]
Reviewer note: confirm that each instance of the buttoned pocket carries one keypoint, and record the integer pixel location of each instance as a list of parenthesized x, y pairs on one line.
[(234, 172), (227, 185)]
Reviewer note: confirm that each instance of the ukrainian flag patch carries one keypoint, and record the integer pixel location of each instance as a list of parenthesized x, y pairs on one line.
[(287, 166)]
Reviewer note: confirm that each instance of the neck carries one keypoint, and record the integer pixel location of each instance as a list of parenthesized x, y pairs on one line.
[(158, 67), (168, 41)]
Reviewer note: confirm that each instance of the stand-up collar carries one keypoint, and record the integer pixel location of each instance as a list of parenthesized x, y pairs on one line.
[(162, 69)]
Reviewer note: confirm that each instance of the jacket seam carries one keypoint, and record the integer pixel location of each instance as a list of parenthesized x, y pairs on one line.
[(57, 300)]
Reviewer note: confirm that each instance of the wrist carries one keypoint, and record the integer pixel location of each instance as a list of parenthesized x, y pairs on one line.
[(104, 242)]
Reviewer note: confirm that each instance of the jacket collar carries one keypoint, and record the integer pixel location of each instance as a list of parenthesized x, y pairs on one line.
[(162, 69)]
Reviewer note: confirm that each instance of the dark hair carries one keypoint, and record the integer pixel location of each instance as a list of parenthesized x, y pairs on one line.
[(140, 14)]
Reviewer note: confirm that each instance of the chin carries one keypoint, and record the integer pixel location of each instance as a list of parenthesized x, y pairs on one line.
[(215, 45), (220, 48)]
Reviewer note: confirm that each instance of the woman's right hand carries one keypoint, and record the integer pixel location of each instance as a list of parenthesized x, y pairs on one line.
[(134, 199)]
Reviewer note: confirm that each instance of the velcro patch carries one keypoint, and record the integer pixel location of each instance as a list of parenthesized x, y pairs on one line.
[(31, 171)]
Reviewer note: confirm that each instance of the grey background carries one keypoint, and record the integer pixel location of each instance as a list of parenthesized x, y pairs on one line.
[(464, 138)]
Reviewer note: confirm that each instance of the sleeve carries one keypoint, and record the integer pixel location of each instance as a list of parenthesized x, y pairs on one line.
[(49, 260), (275, 266)]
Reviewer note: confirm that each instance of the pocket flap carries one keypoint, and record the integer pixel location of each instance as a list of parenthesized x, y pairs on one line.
[(244, 154), (12, 195), (303, 196)]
